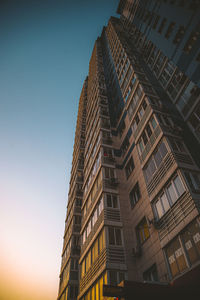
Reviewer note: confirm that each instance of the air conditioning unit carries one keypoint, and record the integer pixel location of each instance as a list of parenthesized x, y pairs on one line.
[(137, 251)]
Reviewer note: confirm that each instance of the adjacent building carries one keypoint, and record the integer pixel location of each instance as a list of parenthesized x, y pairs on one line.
[(134, 198)]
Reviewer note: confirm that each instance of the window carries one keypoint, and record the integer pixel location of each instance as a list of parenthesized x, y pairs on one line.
[(168, 197), (170, 29), (175, 85), (77, 219), (139, 115), (113, 277), (153, 56), (179, 35), (167, 73), (194, 119), (151, 274), (156, 22), (155, 161), (89, 228), (134, 195), (176, 258), (159, 63), (125, 146), (111, 201), (191, 239), (116, 277), (100, 206), (74, 264), (177, 145), (142, 231), (129, 167), (191, 41), (114, 235), (146, 134), (88, 261), (188, 98), (193, 179), (122, 127), (136, 97), (109, 172), (148, 89), (162, 25)]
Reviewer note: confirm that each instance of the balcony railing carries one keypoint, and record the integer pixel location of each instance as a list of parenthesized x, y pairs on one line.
[(179, 211), (107, 141), (110, 183), (108, 160)]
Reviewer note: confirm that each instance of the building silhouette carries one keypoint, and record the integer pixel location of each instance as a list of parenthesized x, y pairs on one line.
[(134, 196)]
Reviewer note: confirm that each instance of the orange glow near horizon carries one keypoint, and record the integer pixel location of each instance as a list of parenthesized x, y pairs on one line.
[(29, 261)]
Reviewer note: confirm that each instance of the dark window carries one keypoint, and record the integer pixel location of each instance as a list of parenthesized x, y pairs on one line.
[(109, 200), (112, 201), (129, 167), (179, 35), (111, 236), (114, 235), (156, 22), (191, 41), (113, 277), (151, 274), (170, 29), (134, 195), (162, 25)]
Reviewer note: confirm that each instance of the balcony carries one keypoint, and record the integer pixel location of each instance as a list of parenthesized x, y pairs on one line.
[(75, 250), (160, 173), (93, 271), (103, 112), (141, 123), (108, 160), (178, 212), (104, 124), (150, 143), (107, 141), (110, 183)]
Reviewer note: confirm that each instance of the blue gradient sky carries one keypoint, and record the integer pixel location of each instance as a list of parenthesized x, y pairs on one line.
[(44, 55)]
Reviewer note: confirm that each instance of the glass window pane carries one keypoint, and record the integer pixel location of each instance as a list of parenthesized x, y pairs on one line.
[(105, 280), (162, 149), (149, 131), (97, 291), (196, 180), (109, 201), (111, 236), (158, 158), (93, 293), (118, 236), (159, 208), (152, 167), (101, 288), (179, 186), (115, 202), (172, 193), (112, 173), (165, 202), (153, 123)]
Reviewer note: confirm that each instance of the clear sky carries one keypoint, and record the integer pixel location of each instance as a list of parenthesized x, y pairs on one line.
[(45, 47)]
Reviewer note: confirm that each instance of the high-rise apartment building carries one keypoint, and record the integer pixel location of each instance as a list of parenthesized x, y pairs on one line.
[(134, 197)]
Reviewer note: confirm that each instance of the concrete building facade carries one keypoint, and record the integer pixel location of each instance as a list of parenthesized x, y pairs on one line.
[(134, 198)]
